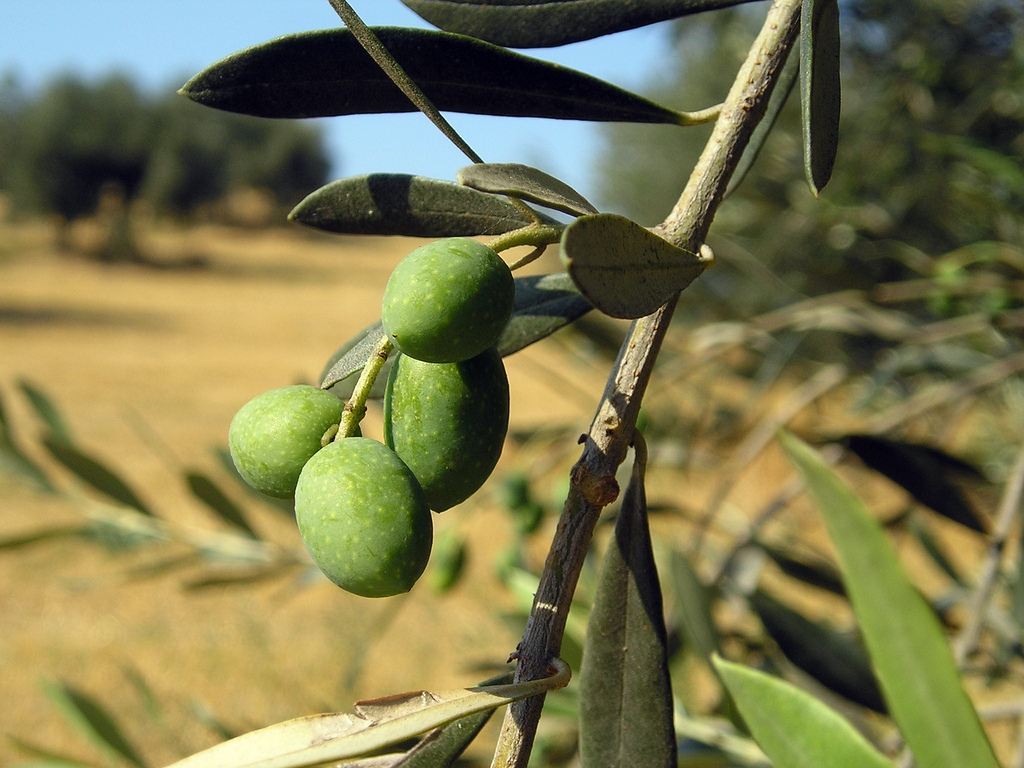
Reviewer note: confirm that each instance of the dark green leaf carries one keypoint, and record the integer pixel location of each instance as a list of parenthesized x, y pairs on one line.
[(442, 747), (526, 183), (820, 97), (413, 206), (623, 269), (14, 462), (626, 713), (47, 410), (922, 471), (543, 304), (327, 72), (208, 492), (793, 728), (22, 540), (91, 720), (907, 646), (834, 659), (822, 574), (546, 23), (49, 758), (934, 549), (95, 474)]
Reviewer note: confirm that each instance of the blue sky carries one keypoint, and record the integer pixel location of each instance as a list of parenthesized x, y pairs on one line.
[(162, 42)]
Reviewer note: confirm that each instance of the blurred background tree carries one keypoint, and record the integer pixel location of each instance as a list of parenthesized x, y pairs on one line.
[(931, 159)]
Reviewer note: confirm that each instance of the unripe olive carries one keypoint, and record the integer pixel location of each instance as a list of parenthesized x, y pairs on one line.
[(448, 301), (274, 435), (363, 518), (448, 422)]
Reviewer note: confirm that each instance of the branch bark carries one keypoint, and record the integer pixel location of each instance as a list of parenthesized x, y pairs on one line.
[(592, 481)]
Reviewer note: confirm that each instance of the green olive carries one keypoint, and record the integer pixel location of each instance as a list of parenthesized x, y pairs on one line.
[(275, 434), (448, 422), (363, 518), (448, 301)]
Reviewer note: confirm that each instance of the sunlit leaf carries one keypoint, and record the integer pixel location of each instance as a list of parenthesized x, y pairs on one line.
[(793, 728), (623, 269), (626, 713), (820, 97), (546, 23), (834, 659), (399, 204), (913, 661), (375, 724), (94, 473), (327, 72), (526, 183), (46, 410), (92, 721), (208, 492)]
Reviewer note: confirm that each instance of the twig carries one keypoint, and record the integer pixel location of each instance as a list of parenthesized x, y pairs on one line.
[(592, 481)]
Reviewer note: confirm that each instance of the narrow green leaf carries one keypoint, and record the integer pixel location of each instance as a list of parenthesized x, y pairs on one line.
[(527, 183), (399, 204), (820, 96), (94, 473), (934, 549), (15, 463), (91, 720), (547, 23), (47, 411), (238, 578), (34, 537), (48, 757), (442, 747), (911, 656), (834, 659), (543, 304), (327, 72), (793, 728), (624, 269), (285, 506), (626, 713), (694, 602), (822, 575), (208, 492), (448, 560)]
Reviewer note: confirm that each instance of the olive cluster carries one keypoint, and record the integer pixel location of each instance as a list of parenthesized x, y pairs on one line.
[(363, 507)]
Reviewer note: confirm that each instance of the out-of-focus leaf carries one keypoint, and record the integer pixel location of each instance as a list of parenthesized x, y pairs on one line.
[(822, 575), (238, 578), (626, 712), (820, 97), (47, 411), (375, 724), (922, 471), (92, 721), (778, 100), (34, 537), (793, 728), (547, 23), (95, 474), (449, 560), (399, 204), (908, 649), (47, 757), (624, 270), (931, 546), (15, 463), (834, 659), (694, 603), (327, 72), (525, 182), (287, 506), (543, 304), (208, 492)]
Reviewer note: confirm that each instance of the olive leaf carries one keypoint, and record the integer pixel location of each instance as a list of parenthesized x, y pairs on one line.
[(48, 757), (399, 204), (47, 411), (327, 72), (94, 473), (625, 702), (208, 492), (92, 720), (820, 97), (625, 270), (527, 183), (546, 23), (821, 574), (374, 724), (543, 304)]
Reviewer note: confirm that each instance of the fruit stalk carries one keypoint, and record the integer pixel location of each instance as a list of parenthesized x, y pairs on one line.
[(592, 481), (355, 408)]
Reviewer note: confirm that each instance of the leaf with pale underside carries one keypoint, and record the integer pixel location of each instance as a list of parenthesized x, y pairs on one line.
[(373, 726), (546, 23), (793, 728), (626, 271), (412, 206), (625, 703), (327, 73), (820, 96), (527, 183)]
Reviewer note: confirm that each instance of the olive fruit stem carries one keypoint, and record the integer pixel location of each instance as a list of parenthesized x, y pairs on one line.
[(538, 235), (355, 408), (592, 483)]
